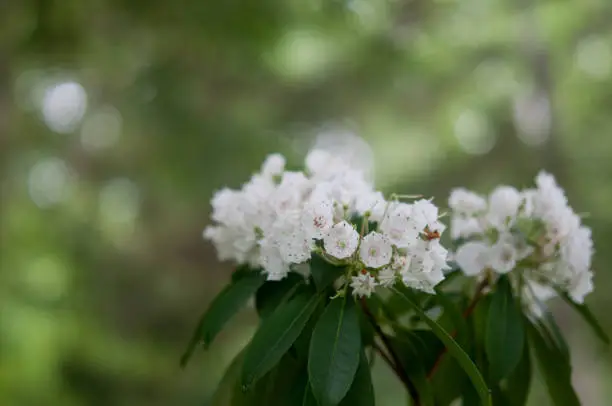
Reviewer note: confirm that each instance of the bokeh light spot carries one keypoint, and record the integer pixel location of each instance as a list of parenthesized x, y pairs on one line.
[(532, 118), (101, 129), (594, 57), (119, 206), (63, 106), (473, 133), (50, 182)]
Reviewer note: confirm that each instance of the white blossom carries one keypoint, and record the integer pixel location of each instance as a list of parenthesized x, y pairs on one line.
[(465, 227), (274, 165), (473, 257), (504, 204), (425, 216), (317, 218), (463, 201), (373, 203), (386, 277), (503, 256), (363, 284), (375, 250), (398, 227), (424, 281), (536, 225), (341, 240), (279, 218)]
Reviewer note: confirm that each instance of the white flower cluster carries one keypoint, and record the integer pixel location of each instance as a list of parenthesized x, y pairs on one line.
[(533, 230), (280, 218)]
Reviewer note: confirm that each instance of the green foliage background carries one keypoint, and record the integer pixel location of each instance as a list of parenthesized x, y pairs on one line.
[(99, 293)]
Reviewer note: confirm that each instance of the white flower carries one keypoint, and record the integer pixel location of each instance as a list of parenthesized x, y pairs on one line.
[(275, 268), (424, 281), (363, 284), (401, 263), (535, 294), (465, 227), (317, 161), (581, 286), (274, 165), (504, 204), (374, 203), (341, 240), (375, 250), (318, 217), (386, 277), (425, 215), (473, 257), (547, 225), (289, 194), (503, 255), (465, 202), (398, 227)]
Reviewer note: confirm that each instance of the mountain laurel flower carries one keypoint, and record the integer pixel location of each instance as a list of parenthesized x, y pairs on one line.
[(504, 204), (473, 257), (386, 277), (533, 229), (341, 240), (274, 165), (318, 217), (363, 284), (375, 250), (279, 219), (465, 202)]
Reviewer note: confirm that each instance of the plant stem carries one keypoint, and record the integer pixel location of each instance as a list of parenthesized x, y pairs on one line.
[(390, 357), (468, 311)]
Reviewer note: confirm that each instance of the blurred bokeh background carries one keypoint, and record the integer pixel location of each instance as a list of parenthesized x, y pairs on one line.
[(119, 118)]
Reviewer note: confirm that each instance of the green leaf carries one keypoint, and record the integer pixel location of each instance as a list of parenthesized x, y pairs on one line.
[(361, 392), (555, 368), (553, 333), (418, 350), (271, 294), (275, 335), (518, 383), (505, 335), (588, 316), (451, 382), (456, 351), (324, 273), (223, 307), (334, 351), (225, 390), (452, 312), (275, 388)]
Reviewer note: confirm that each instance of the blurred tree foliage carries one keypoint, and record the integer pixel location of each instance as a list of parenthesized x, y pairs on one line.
[(103, 270)]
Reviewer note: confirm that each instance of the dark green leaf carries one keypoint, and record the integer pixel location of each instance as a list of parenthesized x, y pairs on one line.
[(451, 382), (275, 388), (225, 390), (324, 273), (275, 335), (361, 392), (453, 314), (505, 336), (417, 350), (449, 277), (223, 307), (273, 293), (588, 316), (334, 351), (456, 351), (555, 368), (553, 333), (518, 383)]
